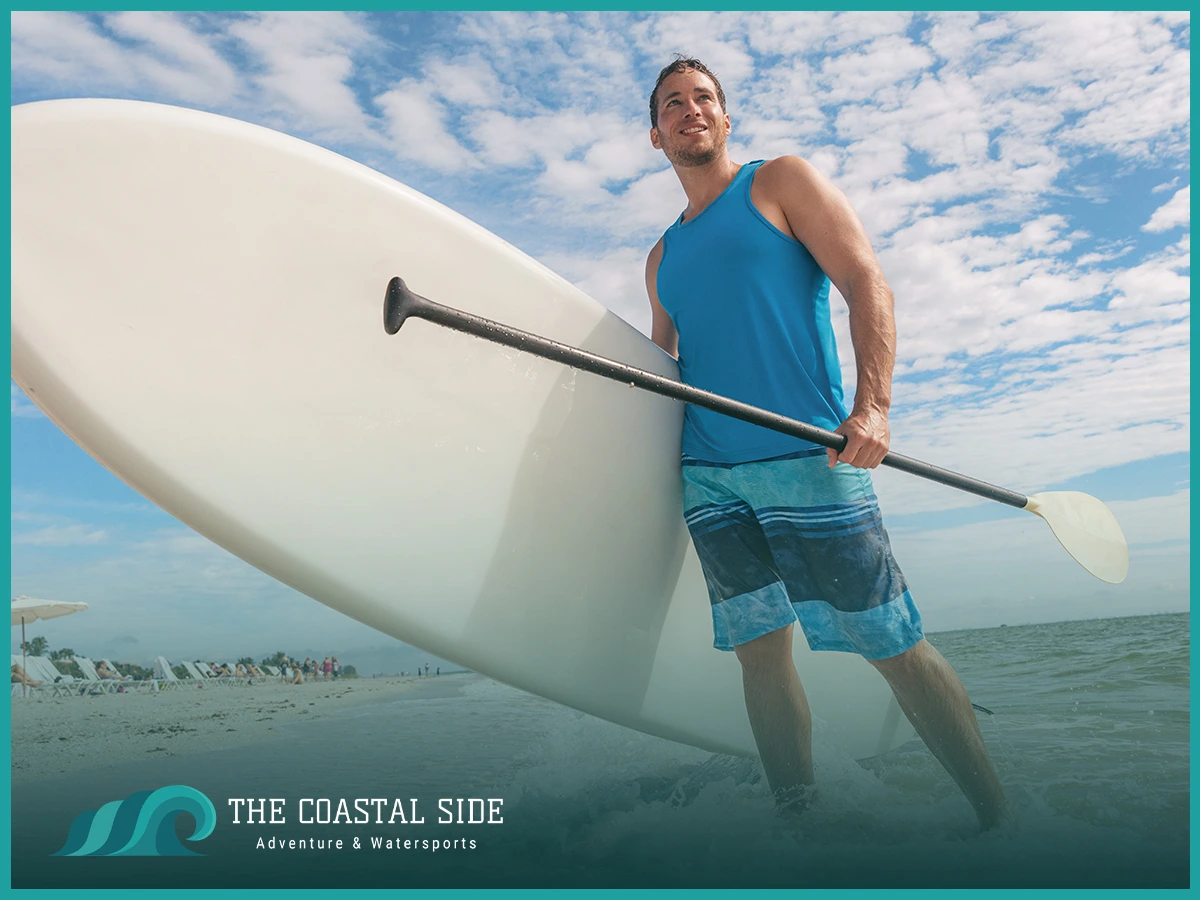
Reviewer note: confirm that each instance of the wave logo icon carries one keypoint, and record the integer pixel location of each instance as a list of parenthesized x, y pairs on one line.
[(143, 824)]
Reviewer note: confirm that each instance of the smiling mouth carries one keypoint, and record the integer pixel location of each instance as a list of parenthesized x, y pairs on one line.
[(695, 129)]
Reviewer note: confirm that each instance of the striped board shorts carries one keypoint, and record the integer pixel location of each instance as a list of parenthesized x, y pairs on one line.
[(790, 539)]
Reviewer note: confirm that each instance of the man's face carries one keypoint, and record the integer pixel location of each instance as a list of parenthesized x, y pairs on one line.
[(692, 127)]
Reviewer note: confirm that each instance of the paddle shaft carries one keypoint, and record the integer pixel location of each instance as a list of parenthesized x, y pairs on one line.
[(400, 303)]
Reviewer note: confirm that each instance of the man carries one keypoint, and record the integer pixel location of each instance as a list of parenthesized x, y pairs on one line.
[(786, 530)]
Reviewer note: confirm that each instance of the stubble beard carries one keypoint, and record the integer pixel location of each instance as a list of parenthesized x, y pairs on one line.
[(693, 159)]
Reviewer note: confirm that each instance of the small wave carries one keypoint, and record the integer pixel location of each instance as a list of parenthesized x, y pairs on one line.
[(143, 824)]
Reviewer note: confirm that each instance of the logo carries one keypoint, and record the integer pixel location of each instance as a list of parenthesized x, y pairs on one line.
[(143, 824)]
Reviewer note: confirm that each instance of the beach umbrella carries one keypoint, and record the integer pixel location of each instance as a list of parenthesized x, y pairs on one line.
[(29, 609)]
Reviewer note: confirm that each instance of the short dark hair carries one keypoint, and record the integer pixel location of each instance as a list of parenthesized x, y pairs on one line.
[(681, 64)]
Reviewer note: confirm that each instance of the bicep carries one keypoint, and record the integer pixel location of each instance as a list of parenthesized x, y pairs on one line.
[(823, 219)]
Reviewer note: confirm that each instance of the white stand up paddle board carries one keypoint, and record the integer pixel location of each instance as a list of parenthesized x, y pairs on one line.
[(197, 302)]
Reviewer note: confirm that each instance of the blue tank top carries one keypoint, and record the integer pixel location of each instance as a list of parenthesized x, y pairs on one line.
[(751, 307)]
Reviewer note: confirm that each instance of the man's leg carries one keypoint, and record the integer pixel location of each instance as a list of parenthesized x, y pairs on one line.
[(779, 714), (935, 701)]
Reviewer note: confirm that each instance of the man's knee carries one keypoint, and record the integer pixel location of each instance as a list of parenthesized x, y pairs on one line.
[(911, 658), (769, 651)]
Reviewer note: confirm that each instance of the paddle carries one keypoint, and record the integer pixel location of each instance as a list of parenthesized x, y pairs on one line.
[(1083, 525)]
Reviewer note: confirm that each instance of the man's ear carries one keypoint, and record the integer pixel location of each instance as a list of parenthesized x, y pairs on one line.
[(654, 139)]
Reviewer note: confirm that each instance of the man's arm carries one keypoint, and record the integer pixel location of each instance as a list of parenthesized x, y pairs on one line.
[(822, 219), (662, 329)]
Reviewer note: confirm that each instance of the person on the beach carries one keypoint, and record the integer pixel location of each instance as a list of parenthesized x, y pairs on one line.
[(327, 668), (337, 667), (786, 530), (105, 672), (19, 676)]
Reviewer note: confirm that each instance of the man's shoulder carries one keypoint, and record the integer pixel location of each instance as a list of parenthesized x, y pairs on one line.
[(786, 167), (788, 180)]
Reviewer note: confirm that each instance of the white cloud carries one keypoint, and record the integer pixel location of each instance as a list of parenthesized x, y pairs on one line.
[(471, 84), (1173, 213), (717, 38), (302, 65), (66, 48), (1124, 75), (879, 72), (416, 124), (179, 60), (158, 55)]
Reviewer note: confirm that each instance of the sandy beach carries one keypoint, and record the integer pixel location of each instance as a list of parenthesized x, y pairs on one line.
[(55, 736)]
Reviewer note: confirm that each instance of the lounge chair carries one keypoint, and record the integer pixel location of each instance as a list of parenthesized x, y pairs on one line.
[(93, 679), (121, 676), (128, 681), (48, 687), (164, 678), (43, 669), (209, 675), (196, 675), (39, 667)]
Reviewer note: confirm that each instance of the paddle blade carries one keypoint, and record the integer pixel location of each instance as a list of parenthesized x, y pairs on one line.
[(1087, 529)]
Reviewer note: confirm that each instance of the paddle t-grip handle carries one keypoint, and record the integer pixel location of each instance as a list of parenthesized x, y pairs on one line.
[(400, 304)]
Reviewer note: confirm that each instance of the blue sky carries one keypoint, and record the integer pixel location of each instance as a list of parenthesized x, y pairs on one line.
[(1024, 179)]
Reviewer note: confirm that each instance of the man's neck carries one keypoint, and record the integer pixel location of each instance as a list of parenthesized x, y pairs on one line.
[(703, 184)]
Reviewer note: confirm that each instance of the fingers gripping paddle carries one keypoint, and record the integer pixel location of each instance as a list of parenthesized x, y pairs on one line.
[(1082, 524)]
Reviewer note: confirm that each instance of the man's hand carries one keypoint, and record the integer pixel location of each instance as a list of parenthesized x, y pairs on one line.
[(867, 439)]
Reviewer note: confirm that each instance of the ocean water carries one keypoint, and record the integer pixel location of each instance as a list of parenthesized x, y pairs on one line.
[(1089, 730)]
